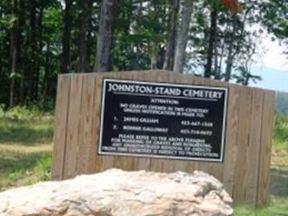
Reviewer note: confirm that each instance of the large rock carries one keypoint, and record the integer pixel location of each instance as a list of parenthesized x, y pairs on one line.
[(116, 192)]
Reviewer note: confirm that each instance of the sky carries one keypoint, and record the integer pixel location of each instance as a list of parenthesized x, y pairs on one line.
[(272, 66)]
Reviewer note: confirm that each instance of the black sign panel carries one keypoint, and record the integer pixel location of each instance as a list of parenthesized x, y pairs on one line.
[(163, 120)]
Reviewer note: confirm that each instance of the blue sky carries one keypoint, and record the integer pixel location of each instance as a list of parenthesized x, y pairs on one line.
[(272, 78)]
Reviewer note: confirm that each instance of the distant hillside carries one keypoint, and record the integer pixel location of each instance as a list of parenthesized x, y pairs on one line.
[(282, 103)]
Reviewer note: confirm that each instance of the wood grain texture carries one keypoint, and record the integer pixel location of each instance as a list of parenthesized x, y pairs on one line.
[(232, 126), (73, 126), (61, 119), (242, 143), (265, 149), (253, 151), (244, 172), (86, 124)]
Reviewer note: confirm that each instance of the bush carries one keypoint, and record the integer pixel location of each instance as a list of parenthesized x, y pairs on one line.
[(22, 112), (2, 111), (280, 135)]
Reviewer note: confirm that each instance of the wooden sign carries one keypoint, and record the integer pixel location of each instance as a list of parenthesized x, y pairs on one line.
[(166, 122)]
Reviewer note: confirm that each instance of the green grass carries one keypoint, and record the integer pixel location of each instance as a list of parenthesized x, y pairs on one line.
[(276, 207), (25, 147), (26, 144)]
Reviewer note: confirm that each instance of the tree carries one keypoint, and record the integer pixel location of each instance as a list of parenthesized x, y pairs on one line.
[(211, 42), (39, 37), (234, 7), (231, 53), (52, 48), (35, 48), (182, 36), (66, 39), (105, 36), (242, 45), (14, 47), (172, 32), (275, 16), (84, 16)]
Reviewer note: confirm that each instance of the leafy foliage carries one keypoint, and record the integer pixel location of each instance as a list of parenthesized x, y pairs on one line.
[(281, 130), (32, 40), (276, 17)]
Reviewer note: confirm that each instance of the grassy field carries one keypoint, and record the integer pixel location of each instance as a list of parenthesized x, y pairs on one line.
[(25, 147), (26, 144)]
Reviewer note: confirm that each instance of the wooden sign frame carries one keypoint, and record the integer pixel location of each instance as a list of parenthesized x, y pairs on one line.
[(246, 165)]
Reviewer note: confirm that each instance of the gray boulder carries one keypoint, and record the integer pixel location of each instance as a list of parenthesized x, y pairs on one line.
[(121, 193)]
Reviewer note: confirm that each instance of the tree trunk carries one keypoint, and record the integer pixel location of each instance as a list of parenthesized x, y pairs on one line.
[(183, 36), (218, 74), (13, 52), (82, 39), (154, 46), (91, 38), (21, 53), (172, 31), (229, 62), (212, 39), (230, 58), (39, 46), (33, 49), (153, 55), (46, 74), (105, 36), (65, 58)]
